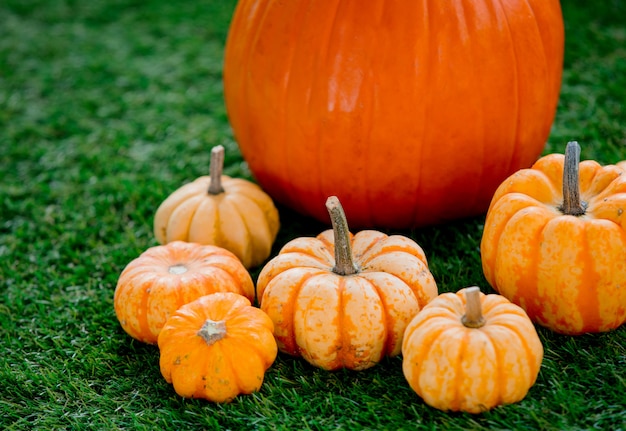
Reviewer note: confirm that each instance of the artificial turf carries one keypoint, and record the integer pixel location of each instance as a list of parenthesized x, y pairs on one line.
[(106, 107)]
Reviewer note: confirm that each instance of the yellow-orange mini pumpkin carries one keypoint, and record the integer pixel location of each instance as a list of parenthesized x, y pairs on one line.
[(470, 352), (344, 301), (232, 213), (165, 277), (217, 347), (554, 242)]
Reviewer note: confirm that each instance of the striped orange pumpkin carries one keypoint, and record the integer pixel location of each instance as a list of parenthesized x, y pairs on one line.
[(470, 352), (554, 242), (341, 300)]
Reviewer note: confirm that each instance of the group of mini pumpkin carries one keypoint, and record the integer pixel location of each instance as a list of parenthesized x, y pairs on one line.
[(344, 301)]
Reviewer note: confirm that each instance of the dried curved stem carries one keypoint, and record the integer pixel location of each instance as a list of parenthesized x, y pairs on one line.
[(344, 262)]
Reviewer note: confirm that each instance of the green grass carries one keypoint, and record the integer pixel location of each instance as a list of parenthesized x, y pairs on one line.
[(106, 107)]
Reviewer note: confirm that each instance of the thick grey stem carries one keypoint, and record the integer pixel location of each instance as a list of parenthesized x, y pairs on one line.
[(344, 263), (215, 168), (473, 317), (572, 204)]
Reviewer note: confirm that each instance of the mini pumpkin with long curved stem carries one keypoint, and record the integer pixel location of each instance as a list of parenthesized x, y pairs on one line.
[(163, 278), (217, 347), (467, 351), (554, 242), (340, 300), (232, 213)]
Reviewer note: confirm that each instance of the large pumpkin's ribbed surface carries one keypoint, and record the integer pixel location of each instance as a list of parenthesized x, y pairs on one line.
[(337, 321), (568, 273), (453, 367), (412, 113), (163, 278)]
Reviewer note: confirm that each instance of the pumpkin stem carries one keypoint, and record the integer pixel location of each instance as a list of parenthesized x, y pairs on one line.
[(212, 331), (473, 317), (216, 166), (572, 205), (344, 263), (177, 269)]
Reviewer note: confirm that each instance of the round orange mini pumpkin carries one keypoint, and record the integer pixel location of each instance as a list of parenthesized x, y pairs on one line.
[(164, 277), (217, 347), (343, 301), (554, 242), (232, 213), (470, 352)]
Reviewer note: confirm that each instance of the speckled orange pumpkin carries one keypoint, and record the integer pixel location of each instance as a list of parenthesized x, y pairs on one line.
[(217, 347), (163, 278), (344, 301), (470, 352), (554, 242)]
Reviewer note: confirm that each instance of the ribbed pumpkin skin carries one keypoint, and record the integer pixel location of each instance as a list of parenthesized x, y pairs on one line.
[(412, 113), (242, 219), (567, 272), (153, 286), (452, 367), (336, 321), (222, 369)]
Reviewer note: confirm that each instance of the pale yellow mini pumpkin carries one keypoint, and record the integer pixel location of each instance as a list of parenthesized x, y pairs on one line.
[(232, 213)]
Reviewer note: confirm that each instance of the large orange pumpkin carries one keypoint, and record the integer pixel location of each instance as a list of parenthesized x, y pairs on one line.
[(412, 113)]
